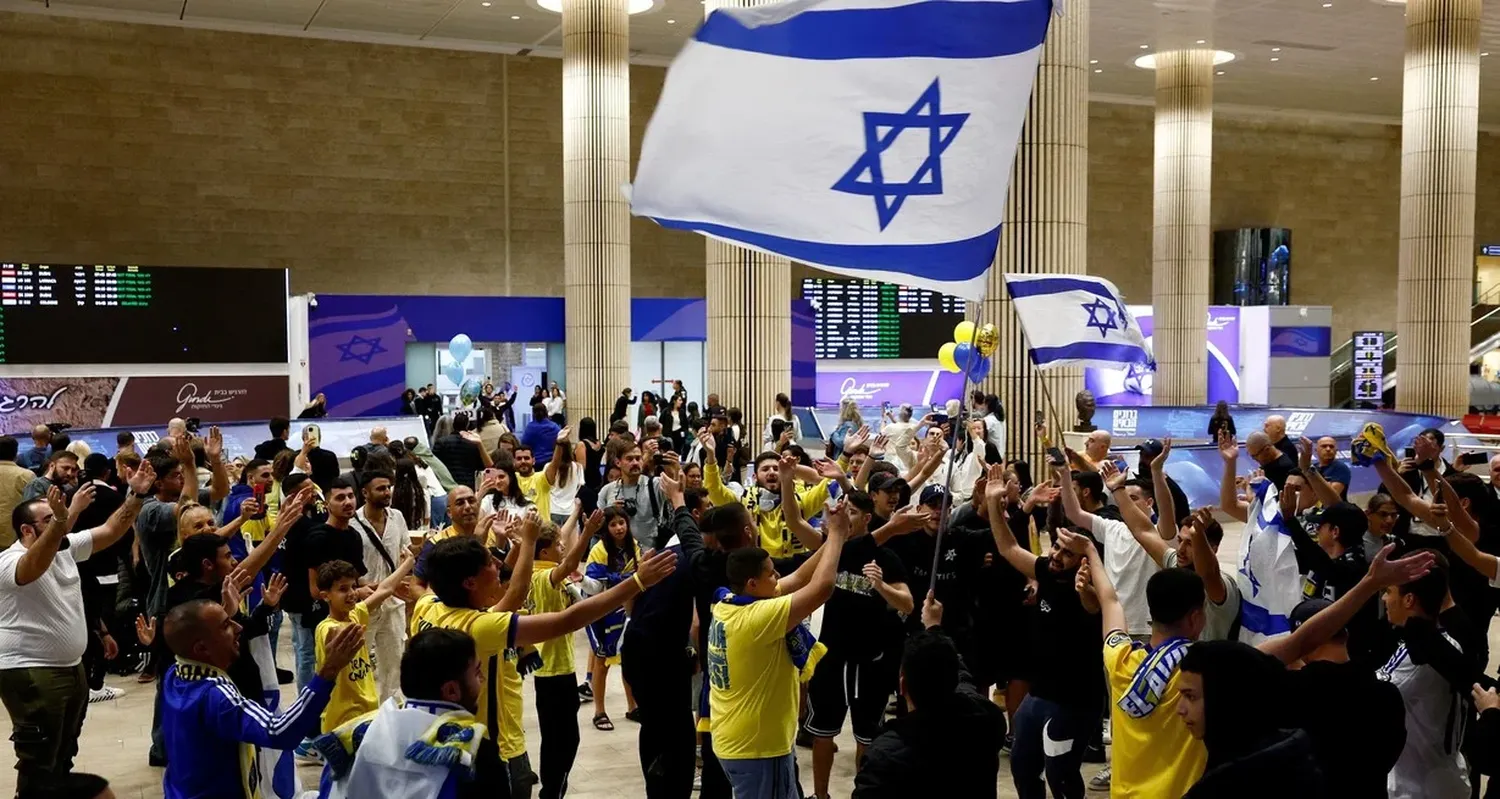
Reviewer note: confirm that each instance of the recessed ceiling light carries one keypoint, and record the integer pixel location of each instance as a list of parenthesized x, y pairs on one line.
[(1275, 49), (1328, 5), (1145, 47), (1220, 72), (1149, 61), (515, 16), (671, 22), (1273, 58), (1482, 55), (1093, 60), (1097, 71), (1202, 41), (486, 4), (631, 7), (1374, 78)]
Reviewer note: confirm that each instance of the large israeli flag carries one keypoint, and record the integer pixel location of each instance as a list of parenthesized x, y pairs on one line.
[(872, 138), (1270, 583), (1077, 320)]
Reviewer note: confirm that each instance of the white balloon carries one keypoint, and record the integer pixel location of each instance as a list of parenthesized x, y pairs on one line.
[(460, 347)]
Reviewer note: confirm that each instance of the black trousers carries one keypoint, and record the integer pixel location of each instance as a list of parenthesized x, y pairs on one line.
[(715, 783), (557, 718), (662, 680)]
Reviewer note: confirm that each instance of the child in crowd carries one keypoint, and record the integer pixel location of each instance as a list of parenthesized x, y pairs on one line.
[(354, 690), (612, 561)]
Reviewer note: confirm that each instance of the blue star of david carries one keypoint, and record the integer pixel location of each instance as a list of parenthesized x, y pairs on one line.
[(1102, 325), (1250, 573), (881, 131), (1124, 317), (369, 348)]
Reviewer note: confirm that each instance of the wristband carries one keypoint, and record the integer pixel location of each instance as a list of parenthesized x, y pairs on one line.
[(637, 578)]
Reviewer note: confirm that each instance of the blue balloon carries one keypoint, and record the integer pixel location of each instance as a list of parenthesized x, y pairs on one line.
[(966, 356), (459, 347), (455, 373), (980, 370), (469, 391)]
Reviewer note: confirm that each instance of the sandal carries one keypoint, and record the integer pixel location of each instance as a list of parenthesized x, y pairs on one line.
[(602, 722), (634, 715)]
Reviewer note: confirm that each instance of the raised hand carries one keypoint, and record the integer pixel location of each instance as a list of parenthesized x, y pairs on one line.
[(531, 526), (249, 509), (1387, 572), (341, 646), (706, 440), (994, 489), (932, 611), (1083, 581), (56, 503), (82, 498), (826, 468), (275, 587), (1166, 449), (1113, 477), (878, 445), (145, 630), (656, 567), (1229, 449), (874, 574), (1073, 542), (472, 437), (230, 592), (1304, 453), (141, 480), (837, 521), (856, 438), (594, 524), (672, 488), (213, 447), (1044, 492), (911, 517), (1484, 699)]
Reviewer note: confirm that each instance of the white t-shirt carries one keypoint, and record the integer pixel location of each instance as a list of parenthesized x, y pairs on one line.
[(554, 405), (901, 436), (41, 623), (1129, 567), (562, 496), (765, 436), (395, 538), (1430, 765)]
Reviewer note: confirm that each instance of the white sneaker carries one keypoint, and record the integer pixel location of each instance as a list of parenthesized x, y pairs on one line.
[(1100, 781), (105, 694), (1108, 738)]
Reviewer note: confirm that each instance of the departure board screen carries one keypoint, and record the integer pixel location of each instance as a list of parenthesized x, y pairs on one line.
[(869, 319), (106, 314)]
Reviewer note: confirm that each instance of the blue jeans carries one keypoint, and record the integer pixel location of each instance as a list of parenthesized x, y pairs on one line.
[(764, 778), (305, 647), (1050, 739)]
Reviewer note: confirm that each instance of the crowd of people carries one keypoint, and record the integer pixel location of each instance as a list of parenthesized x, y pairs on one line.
[(964, 609)]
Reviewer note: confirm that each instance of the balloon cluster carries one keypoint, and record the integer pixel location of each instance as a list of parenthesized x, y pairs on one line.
[(970, 350), (459, 348)]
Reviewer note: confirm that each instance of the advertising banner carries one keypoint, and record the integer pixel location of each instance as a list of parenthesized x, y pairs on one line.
[(872, 387), (92, 402), (1133, 386)]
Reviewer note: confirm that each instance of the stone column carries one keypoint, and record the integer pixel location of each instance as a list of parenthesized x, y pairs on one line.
[(749, 298), (1181, 241), (1439, 137), (596, 218), (1045, 227)]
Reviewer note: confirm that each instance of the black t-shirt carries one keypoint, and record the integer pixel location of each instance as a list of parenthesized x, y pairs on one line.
[(107, 500), (957, 573), (326, 543), (1356, 720), (1288, 447), (295, 551), (857, 621), (1277, 471), (1070, 652), (998, 589)]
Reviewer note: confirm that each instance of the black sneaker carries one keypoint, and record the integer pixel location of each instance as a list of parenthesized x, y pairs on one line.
[(1008, 743), (284, 677), (585, 692), (1095, 754)]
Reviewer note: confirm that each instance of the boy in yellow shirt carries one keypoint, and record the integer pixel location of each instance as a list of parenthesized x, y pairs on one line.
[(556, 682), (759, 654), (1155, 754), (354, 690)]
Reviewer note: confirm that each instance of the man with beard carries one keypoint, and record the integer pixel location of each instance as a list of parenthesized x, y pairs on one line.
[(62, 471), (635, 493), (763, 498), (384, 533), (533, 484), (1066, 697)]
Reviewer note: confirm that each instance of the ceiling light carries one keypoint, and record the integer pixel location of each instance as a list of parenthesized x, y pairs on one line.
[(1202, 41), (632, 6), (1145, 47), (1275, 49), (1374, 78), (1097, 71), (486, 4), (515, 16), (1220, 72), (1149, 61), (1328, 5), (1482, 55), (1273, 58), (671, 22)]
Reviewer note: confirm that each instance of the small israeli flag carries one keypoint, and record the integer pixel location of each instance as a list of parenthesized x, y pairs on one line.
[(1077, 320), (871, 138)]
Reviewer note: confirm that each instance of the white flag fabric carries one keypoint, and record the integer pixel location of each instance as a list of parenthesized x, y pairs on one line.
[(1270, 583), (871, 138), (1077, 320)]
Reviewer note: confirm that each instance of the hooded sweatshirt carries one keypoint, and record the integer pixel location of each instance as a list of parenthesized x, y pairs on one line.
[(1249, 755)]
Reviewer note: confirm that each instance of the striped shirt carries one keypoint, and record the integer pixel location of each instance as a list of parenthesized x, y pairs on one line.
[(41, 623)]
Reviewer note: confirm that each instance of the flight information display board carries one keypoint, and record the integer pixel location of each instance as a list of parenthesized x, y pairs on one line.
[(868, 319), (112, 314)]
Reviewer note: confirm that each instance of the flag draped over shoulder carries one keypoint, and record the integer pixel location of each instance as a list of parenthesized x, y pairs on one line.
[(871, 138), (1077, 320), (1268, 578)]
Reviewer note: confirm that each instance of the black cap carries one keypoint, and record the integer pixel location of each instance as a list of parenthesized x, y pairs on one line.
[(1150, 447), (933, 495), (1346, 516), (1306, 609)]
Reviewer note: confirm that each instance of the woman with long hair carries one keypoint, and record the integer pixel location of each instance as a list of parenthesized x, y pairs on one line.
[(409, 402), (1221, 420), (564, 478), (649, 402), (612, 560), (850, 420), (409, 496), (501, 492), (787, 418)]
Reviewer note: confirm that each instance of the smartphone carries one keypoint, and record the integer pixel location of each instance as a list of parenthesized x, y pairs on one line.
[(314, 434), (490, 473), (260, 499), (1411, 452), (1055, 457)]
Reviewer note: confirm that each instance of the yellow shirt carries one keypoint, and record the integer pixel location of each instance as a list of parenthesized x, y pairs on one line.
[(354, 688), (753, 684), (775, 538), (557, 653), (493, 633), (1155, 756), (512, 738), (536, 489)]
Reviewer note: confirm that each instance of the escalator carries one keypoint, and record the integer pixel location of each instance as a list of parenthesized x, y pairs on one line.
[(1484, 335)]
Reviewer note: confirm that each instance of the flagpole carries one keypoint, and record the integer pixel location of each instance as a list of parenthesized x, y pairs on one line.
[(960, 429)]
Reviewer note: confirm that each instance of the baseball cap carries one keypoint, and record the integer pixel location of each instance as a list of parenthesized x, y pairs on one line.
[(1150, 447), (933, 495), (1306, 609), (1346, 516)]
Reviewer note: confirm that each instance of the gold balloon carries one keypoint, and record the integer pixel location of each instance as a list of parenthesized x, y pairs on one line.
[(988, 341)]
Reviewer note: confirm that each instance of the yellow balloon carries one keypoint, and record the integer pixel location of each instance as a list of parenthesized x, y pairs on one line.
[(989, 340), (945, 357), (964, 332)]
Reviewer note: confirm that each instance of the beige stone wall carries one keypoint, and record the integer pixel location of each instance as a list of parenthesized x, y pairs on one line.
[(359, 168), (382, 169)]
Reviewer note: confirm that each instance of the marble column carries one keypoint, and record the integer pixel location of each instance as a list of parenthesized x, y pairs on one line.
[(749, 297), (1439, 138), (596, 218), (1045, 228), (1181, 240)]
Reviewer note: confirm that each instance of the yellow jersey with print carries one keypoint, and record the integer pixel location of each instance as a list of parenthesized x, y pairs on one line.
[(493, 633), (775, 538), (537, 491), (354, 689), (1154, 754), (557, 653), (512, 739), (753, 684)]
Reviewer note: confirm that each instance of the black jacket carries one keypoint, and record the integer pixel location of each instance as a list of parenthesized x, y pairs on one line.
[(268, 450), (1283, 765), (960, 741), (662, 616)]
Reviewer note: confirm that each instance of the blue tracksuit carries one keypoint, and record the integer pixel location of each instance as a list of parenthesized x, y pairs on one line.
[(213, 734)]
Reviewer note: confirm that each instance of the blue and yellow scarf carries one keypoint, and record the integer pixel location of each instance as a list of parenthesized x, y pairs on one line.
[(1151, 678)]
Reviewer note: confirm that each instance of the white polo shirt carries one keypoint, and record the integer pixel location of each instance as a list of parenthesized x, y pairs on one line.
[(41, 623)]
